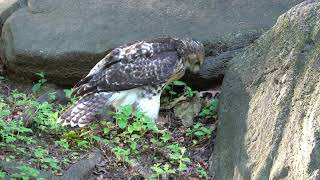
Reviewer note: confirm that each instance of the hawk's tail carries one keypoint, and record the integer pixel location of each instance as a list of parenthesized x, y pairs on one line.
[(84, 110)]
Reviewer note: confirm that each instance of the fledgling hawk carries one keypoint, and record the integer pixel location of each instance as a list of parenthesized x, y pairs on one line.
[(133, 74)]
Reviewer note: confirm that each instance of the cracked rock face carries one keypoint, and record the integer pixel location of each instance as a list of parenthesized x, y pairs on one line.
[(270, 103)]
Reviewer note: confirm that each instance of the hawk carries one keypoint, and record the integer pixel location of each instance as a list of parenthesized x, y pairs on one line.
[(133, 74)]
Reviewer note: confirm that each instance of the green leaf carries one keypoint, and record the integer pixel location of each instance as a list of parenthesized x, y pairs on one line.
[(174, 156), (135, 136), (36, 87), (83, 144), (199, 133), (106, 131), (52, 96), (179, 83), (122, 123), (2, 174), (2, 105), (40, 74), (133, 145), (165, 137), (67, 92), (130, 129), (182, 167), (4, 112), (20, 103), (185, 159)]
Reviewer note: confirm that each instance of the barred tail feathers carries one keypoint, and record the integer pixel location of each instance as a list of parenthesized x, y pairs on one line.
[(84, 110)]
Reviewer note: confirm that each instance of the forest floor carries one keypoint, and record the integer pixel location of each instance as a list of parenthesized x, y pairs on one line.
[(127, 146)]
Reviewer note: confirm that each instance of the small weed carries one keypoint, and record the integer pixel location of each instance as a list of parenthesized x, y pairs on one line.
[(2, 174), (46, 162), (161, 171), (201, 172), (200, 131), (178, 156), (63, 143), (210, 110), (37, 86), (26, 173), (175, 90)]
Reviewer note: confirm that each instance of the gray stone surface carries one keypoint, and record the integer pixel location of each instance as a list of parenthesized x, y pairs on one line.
[(82, 169), (11, 167), (66, 38), (78, 171), (269, 118), (188, 109), (7, 7)]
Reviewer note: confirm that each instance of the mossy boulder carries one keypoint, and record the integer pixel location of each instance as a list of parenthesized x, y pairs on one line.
[(270, 103)]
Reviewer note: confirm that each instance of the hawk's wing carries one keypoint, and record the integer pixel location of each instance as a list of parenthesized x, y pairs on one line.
[(128, 67)]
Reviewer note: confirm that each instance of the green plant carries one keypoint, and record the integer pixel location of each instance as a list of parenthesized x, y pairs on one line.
[(14, 135), (201, 171), (122, 116), (210, 110), (161, 171), (199, 130), (63, 143), (50, 163), (2, 174), (68, 93), (164, 138), (122, 154), (37, 86), (178, 155), (26, 172), (12, 131), (173, 92), (44, 161), (140, 122), (40, 153)]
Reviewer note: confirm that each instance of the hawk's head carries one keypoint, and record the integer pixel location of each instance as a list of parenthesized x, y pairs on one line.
[(192, 53)]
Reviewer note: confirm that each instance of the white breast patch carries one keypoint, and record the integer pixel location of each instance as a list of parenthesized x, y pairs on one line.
[(149, 105)]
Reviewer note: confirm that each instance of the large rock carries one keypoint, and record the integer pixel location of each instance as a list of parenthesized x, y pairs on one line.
[(66, 38), (270, 104), (7, 7)]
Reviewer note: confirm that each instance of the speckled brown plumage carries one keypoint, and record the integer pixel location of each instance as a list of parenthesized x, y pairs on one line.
[(133, 69)]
